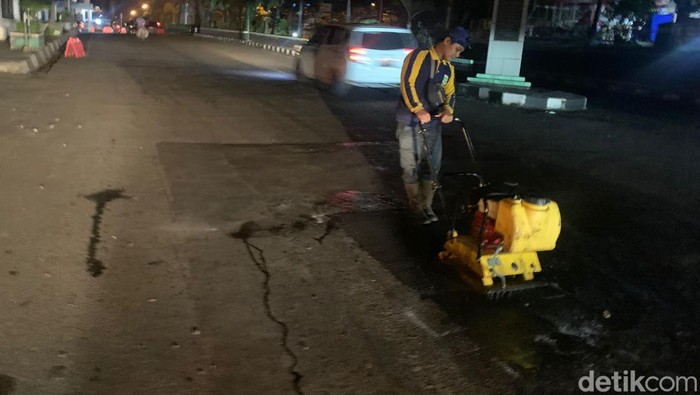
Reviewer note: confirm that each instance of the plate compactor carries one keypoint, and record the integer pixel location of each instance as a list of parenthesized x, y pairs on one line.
[(503, 230)]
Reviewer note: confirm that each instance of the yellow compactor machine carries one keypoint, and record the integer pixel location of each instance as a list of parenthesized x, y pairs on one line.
[(503, 240), (503, 231)]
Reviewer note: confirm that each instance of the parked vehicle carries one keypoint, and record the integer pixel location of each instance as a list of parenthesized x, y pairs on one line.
[(153, 26), (343, 56), (130, 26)]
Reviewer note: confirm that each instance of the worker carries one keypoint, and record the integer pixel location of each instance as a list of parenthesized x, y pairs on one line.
[(427, 101), (141, 30)]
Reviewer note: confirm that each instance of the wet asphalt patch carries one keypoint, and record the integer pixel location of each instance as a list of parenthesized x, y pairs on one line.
[(95, 266), (251, 228), (548, 339), (7, 384)]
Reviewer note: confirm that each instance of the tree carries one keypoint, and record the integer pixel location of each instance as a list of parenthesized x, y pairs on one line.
[(282, 27), (168, 14), (635, 7), (199, 12), (415, 7), (31, 7), (232, 11), (268, 11), (625, 8), (34, 6)]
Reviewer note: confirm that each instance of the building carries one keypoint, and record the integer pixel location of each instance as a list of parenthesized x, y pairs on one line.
[(9, 16)]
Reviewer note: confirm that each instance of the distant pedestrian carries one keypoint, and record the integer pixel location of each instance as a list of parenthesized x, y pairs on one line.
[(427, 100), (141, 31)]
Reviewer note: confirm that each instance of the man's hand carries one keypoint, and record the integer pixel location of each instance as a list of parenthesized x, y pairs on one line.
[(445, 117), (423, 116)]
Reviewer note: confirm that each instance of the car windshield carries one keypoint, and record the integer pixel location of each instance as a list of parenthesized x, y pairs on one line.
[(384, 40)]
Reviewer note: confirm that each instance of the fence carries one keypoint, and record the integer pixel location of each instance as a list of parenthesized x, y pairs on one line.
[(268, 41)]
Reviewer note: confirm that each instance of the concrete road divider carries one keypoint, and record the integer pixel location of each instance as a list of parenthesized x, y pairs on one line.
[(35, 60)]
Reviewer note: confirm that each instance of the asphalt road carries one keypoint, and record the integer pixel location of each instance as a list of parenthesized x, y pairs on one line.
[(181, 216)]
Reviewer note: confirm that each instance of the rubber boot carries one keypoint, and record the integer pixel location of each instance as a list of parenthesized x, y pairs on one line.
[(415, 203), (428, 193)]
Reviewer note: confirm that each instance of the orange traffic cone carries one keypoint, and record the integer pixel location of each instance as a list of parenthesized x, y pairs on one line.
[(74, 48)]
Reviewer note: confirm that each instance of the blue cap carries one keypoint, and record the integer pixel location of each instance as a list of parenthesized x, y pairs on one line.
[(459, 36)]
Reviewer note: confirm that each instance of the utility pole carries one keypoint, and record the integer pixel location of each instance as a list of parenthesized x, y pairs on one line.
[(246, 35), (381, 11), (348, 12), (301, 15), (596, 17)]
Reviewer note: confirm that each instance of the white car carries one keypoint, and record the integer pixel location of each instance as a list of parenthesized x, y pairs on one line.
[(355, 55)]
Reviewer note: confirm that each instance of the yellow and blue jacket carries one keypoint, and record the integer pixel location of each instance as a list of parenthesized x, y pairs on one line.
[(415, 75)]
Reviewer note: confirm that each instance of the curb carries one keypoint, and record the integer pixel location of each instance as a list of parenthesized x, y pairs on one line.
[(273, 48), (534, 99), (15, 67), (36, 60)]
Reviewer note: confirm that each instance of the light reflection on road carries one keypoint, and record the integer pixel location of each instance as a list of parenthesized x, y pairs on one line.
[(260, 74)]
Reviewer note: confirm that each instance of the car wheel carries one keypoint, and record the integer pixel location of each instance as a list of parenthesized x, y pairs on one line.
[(340, 88)]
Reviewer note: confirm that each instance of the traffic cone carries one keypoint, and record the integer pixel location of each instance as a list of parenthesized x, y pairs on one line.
[(74, 48)]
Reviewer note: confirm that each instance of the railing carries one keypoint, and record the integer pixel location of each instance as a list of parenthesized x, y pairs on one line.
[(178, 28), (258, 38)]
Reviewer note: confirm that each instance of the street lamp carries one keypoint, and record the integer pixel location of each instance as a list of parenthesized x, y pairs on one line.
[(144, 6), (132, 12)]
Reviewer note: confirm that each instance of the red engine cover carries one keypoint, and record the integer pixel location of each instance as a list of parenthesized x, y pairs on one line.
[(491, 237)]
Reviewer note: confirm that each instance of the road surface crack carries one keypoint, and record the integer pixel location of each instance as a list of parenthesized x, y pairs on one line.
[(331, 225), (95, 266), (258, 257)]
